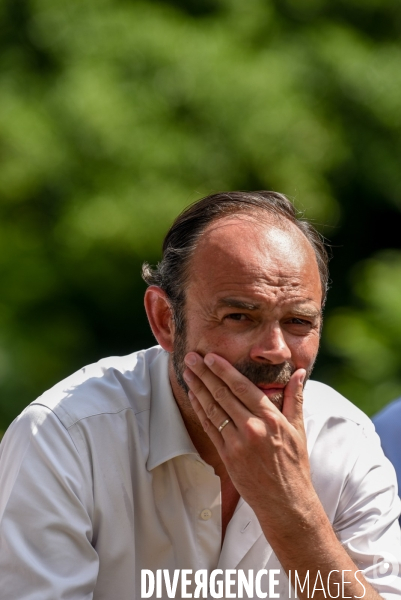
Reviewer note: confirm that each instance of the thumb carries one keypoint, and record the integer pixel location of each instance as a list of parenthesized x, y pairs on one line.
[(293, 398)]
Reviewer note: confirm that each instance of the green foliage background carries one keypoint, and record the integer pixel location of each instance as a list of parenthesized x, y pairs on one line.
[(114, 115)]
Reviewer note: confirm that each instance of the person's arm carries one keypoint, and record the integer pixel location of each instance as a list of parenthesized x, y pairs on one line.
[(265, 453), (45, 512)]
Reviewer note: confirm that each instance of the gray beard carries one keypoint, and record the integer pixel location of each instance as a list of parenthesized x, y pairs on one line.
[(257, 373)]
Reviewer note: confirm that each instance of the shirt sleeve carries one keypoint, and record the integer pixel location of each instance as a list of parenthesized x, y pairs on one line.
[(388, 426), (45, 512), (367, 517)]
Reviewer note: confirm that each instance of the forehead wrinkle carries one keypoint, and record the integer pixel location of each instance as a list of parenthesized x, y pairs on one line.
[(235, 253), (254, 293)]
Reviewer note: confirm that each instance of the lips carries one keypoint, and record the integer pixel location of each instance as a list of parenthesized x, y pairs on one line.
[(274, 391), (271, 387)]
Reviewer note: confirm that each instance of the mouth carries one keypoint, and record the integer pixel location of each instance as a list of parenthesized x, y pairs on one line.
[(271, 386), (272, 390)]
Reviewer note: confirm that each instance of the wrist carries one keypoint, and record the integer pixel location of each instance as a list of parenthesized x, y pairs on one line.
[(296, 522)]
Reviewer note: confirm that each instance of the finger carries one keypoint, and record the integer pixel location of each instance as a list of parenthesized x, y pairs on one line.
[(207, 425), (251, 397), (293, 398), (212, 409), (214, 388)]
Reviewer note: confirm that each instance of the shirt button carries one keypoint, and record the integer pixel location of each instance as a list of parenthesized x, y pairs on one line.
[(206, 514)]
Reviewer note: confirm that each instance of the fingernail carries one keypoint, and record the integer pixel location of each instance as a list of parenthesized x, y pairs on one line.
[(190, 359), (188, 375), (209, 360), (191, 396), (302, 378)]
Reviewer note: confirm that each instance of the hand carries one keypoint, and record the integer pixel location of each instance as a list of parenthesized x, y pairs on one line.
[(265, 454), (263, 450)]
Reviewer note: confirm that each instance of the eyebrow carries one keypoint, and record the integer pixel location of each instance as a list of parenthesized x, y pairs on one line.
[(306, 312), (235, 303)]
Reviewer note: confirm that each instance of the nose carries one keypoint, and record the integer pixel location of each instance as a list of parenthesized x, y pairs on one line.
[(271, 347)]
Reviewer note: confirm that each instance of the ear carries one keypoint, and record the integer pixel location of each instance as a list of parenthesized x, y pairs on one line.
[(160, 316)]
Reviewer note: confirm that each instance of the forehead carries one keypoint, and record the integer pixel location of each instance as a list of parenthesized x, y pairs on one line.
[(254, 252)]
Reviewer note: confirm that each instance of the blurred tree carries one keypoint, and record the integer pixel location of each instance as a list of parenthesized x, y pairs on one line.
[(367, 338), (114, 115)]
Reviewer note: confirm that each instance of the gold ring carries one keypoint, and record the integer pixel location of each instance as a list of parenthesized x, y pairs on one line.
[(224, 423)]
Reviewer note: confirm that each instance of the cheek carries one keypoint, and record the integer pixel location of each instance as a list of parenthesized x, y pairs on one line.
[(308, 352), (232, 348), (304, 351)]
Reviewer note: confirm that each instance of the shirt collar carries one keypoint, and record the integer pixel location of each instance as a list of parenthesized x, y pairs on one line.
[(168, 434)]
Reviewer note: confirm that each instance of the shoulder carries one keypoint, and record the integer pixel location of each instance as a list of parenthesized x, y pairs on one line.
[(348, 467), (109, 386), (324, 403), (334, 425)]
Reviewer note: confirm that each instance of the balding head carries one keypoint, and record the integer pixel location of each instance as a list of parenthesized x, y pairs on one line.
[(173, 272)]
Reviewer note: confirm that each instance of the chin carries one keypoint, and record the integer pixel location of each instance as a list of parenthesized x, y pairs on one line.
[(277, 400)]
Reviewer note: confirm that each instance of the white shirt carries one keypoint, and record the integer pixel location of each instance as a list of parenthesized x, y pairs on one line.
[(99, 480)]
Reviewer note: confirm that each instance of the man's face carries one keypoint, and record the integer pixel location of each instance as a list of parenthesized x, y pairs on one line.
[(254, 297)]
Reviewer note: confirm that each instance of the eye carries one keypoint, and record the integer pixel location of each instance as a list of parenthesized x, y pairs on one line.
[(299, 325), (237, 317), (298, 321)]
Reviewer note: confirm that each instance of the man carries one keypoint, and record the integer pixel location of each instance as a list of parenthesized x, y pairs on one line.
[(388, 426), (199, 454)]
